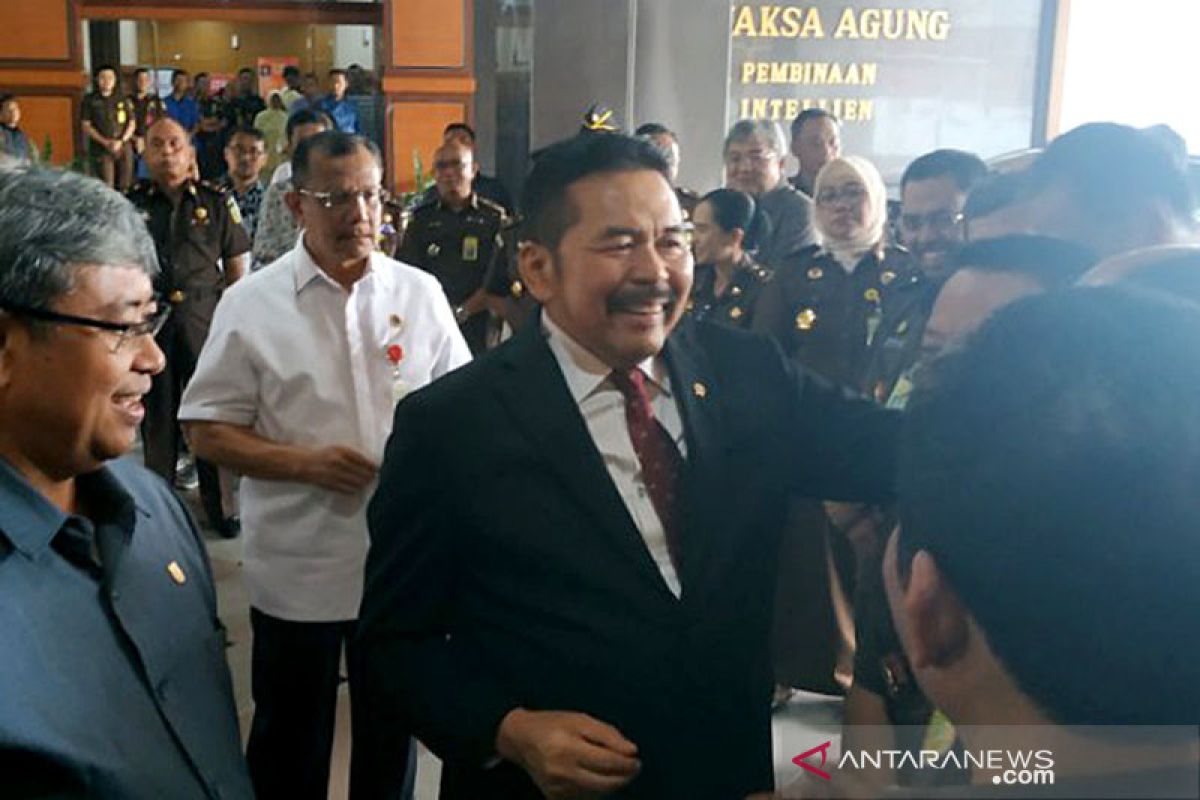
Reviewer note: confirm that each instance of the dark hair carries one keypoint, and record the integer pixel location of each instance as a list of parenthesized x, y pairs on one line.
[(247, 130), (245, 71), (6, 97), (331, 144), (734, 210), (809, 114), (967, 169), (1109, 169), (305, 116), (140, 71), (547, 209), (996, 191), (291, 71), (655, 129), (102, 67), (1049, 467), (175, 73), (339, 71), (1051, 263), (459, 126)]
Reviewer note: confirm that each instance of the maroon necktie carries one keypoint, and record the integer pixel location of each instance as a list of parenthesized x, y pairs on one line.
[(657, 454)]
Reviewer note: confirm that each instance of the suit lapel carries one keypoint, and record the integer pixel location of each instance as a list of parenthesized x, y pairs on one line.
[(700, 404), (536, 395)]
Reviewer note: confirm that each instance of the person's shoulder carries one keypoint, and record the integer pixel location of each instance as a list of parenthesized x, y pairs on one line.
[(408, 279), (426, 206), (148, 490), (491, 208), (141, 192)]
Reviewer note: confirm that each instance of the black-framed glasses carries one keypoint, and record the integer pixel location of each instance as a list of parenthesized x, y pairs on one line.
[(127, 332), (339, 200)]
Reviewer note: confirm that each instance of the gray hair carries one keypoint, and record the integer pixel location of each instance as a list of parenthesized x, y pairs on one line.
[(52, 222), (765, 129)]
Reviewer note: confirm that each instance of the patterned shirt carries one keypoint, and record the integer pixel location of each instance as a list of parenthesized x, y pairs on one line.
[(249, 204)]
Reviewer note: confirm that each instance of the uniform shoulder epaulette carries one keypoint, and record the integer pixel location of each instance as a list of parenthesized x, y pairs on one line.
[(212, 187), (425, 204), (491, 205), (142, 187), (762, 274)]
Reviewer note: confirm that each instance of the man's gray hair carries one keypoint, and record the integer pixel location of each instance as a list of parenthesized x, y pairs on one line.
[(770, 132), (52, 222)]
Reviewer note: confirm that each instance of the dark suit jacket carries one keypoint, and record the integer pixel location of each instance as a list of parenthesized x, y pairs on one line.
[(505, 571)]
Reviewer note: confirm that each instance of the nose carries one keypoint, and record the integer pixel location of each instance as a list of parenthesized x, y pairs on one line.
[(149, 357)]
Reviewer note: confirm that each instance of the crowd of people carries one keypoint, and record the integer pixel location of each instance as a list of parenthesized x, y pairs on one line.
[(576, 490)]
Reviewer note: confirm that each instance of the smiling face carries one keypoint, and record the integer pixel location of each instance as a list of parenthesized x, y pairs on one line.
[(618, 281), (931, 221), (69, 398)]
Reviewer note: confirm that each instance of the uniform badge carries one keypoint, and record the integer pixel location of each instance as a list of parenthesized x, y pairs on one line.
[(176, 297), (433, 250), (806, 319), (122, 118), (735, 313), (816, 273), (517, 289), (736, 291), (871, 295), (201, 216), (470, 248), (176, 572), (886, 277), (700, 390), (235, 213)]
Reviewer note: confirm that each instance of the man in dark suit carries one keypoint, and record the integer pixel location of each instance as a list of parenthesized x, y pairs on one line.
[(571, 572)]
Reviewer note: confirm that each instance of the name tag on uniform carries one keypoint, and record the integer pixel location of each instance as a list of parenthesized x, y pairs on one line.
[(470, 249)]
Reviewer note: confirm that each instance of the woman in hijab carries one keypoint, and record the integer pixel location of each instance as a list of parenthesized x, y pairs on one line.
[(828, 300)]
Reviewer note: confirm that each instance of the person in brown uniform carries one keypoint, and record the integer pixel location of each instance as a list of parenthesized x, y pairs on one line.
[(728, 281), (458, 238), (824, 309), (202, 249), (108, 123)]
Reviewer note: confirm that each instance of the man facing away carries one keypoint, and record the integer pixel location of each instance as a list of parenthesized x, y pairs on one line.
[(573, 543), (114, 660)]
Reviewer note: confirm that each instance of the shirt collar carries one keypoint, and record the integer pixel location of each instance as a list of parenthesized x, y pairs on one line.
[(585, 373), (305, 270), (31, 520)]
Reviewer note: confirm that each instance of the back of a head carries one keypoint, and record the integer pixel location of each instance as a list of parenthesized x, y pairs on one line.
[(1049, 468), (966, 169), (545, 204), (52, 221), (328, 144), (1050, 263), (1110, 169)]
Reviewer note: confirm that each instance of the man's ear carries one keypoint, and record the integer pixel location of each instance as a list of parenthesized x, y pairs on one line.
[(291, 199), (535, 265), (937, 620)]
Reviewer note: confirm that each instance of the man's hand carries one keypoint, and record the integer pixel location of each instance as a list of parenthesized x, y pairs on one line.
[(338, 469), (568, 755), (116, 145)]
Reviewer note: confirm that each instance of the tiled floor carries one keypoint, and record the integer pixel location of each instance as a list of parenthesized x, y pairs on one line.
[(807, 721)]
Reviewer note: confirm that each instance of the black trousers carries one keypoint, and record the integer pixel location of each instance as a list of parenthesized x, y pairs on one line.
[(161, 437), (294, 679)]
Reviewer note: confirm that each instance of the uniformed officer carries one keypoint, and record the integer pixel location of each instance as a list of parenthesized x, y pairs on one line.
[(459, 238), (108, 123), (146, 107), (665, 139), (728, 281), (202, 249)]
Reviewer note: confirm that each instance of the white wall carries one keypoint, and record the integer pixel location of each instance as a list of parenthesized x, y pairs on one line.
[(1133, 64)]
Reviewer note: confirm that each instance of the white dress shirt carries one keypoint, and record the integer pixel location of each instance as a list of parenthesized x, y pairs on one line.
[(302, 361), (283, 172), (603, 408)]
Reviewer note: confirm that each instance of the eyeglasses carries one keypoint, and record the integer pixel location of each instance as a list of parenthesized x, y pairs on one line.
[(127, 332), (942, 221), (339, 200), (753, 158), (851, 193)]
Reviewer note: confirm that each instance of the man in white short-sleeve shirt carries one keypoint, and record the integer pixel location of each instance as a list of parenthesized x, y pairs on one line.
[(295, 390)]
